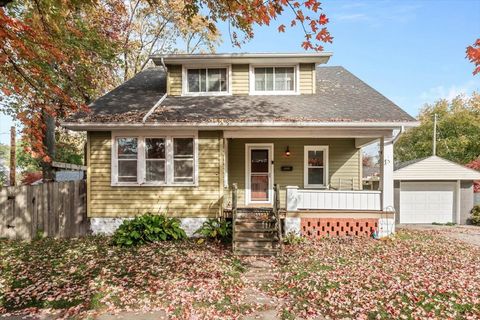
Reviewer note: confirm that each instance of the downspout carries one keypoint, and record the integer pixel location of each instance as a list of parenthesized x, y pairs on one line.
[(402, 130), (159, 102)]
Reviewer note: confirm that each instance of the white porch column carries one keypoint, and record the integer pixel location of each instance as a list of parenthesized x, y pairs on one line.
[(386, 166), (292, 198)]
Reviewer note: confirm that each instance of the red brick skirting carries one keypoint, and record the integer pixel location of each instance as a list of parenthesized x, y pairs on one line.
[(333, 227)]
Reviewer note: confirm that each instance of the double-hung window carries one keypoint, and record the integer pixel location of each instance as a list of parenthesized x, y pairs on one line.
[(154, 160), (207, 80), (274, 79), (316, 167)]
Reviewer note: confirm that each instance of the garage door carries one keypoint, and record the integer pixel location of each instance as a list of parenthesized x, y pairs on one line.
[(427, 202)]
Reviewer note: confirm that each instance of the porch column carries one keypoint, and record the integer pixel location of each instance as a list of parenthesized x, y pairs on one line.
[(386, 167)]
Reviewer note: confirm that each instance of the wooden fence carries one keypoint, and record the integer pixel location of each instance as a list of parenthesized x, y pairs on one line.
[(54, 209)]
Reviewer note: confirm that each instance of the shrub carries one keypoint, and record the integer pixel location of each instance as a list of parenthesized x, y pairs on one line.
[(475, 219), (216, 229), (148, 228), (293, 238)]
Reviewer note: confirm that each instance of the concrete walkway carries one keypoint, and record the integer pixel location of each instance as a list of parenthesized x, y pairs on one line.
[(468, 234)]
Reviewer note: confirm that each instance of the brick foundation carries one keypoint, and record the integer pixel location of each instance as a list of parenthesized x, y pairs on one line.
[(334, 227)]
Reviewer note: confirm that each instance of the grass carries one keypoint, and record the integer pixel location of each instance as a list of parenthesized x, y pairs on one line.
[(411, 275)]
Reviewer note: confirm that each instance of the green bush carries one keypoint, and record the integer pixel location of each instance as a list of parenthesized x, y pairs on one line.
[(293, 238), (216, 229), (148, 228), (475, 219)]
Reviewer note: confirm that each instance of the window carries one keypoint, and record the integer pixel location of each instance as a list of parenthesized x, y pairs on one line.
[(150, 160), (207, 80), (127, 159), (316, 166), (155, 161), (183, 160), (269, 79)]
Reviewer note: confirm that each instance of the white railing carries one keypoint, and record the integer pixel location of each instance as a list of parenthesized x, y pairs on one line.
[(302, 199)]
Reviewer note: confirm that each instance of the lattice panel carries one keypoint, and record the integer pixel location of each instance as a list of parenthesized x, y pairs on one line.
[(334, 227)]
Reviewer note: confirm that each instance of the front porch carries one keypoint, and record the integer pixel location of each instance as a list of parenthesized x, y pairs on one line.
[(318, 174)]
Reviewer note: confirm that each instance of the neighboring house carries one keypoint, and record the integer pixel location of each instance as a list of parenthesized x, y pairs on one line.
[(434, 190), (175, 138), (371, 177)]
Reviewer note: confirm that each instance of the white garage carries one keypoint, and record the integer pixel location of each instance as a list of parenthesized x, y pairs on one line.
[(433, 190)]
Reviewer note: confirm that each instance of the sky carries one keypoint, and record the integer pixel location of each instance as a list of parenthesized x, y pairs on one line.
[(413, 52)]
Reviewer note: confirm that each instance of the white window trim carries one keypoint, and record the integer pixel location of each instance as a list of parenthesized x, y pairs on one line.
[(141, 174), (296, 85), (325, 166), (212, 93)]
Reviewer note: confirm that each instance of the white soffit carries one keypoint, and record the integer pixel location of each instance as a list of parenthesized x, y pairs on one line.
[(254, 58)]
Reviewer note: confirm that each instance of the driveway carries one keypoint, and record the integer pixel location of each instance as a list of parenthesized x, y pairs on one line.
[(468, 234)]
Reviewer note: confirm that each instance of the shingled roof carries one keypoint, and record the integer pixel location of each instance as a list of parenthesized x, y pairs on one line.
[(340, 97)]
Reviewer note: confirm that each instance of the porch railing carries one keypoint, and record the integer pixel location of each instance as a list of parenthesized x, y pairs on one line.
[(276, 212), (307, 199)]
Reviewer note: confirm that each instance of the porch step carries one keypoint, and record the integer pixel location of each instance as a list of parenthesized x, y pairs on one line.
[(255, 232)]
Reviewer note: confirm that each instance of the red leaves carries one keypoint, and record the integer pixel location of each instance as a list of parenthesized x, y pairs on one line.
[(281, 28), (473, 54), (48, 49)]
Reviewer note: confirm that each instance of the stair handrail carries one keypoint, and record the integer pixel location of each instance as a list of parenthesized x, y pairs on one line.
[(276, 212), (234, 209)]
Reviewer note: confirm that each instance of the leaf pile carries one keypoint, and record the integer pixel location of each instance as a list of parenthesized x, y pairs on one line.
[(415, 275), (182, 278)]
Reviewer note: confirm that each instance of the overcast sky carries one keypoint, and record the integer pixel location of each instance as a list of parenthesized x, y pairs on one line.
[(413, 52)]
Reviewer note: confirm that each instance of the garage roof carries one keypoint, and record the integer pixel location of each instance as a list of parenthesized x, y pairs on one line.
[(435, 168)]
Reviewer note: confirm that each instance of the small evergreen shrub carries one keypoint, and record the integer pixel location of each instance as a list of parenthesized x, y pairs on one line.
[(475, 219), (148, 228), (216, 229)]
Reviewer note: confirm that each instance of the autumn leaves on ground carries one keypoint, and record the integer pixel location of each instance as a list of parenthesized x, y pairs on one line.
[(412, 275)]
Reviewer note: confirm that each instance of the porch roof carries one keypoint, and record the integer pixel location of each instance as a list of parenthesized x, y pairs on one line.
[(340, 97)]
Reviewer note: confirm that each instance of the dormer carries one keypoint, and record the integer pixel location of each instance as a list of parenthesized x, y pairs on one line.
[(241, 73)]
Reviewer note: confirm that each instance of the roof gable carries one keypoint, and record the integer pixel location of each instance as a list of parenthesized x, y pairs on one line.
[(435, 168)]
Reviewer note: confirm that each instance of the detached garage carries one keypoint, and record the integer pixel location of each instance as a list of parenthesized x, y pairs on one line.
[(432, 190)]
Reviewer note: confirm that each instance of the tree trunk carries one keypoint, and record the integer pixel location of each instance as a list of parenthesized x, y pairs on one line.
[(49, 144)]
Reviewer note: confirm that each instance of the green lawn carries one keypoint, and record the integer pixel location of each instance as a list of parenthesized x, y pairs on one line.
[(412, 275)]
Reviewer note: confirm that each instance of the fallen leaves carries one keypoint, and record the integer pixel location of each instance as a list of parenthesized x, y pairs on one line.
[(415, 275)]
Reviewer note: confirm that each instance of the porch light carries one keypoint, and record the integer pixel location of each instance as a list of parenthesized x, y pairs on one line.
[(287, 152)]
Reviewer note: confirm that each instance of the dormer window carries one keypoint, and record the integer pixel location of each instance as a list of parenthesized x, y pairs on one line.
[(206, 81), (274, 80)]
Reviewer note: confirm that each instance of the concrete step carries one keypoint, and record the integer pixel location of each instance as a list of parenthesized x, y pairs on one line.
[(256, 252), (256, 245)]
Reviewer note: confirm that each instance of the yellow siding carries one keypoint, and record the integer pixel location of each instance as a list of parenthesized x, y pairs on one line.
[(201, 201), (307, 78), (174, 83), (344, 168), (240, 76), (240, 79)]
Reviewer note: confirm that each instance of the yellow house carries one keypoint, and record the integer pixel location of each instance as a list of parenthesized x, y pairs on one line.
[(175, 138)]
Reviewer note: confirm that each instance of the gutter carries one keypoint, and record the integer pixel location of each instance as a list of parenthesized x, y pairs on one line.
[(402, 130), (239, 124)]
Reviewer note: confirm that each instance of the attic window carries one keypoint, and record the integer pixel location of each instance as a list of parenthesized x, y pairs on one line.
[(207, 80), (274, 79)]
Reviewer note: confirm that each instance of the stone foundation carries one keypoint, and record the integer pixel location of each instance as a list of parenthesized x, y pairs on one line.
[(293, 225), (107, 226)]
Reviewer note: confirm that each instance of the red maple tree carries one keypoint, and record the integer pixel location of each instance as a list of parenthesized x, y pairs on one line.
[(475, 164), (473, 54)]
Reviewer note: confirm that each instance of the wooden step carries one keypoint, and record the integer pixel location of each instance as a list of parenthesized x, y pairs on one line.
[(250, 224), (256, 245)]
